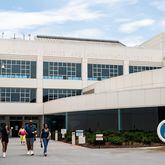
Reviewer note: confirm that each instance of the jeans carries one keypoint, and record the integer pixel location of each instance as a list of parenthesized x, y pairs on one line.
[(30, 142), (45, 141)]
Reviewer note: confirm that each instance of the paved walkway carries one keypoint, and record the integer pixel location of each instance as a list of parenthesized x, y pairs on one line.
[(66, 154)]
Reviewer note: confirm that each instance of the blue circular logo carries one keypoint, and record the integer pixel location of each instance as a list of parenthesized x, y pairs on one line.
[(161, 131)]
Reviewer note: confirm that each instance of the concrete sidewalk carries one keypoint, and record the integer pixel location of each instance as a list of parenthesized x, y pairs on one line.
[(66, 154)]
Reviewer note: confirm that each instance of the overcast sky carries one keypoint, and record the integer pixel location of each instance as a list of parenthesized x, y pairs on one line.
[(129, 21)]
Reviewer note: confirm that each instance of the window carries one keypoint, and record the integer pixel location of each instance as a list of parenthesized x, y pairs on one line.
[(133, 69), (60, 70), (17, 69), (52, 94), (101, 71), (17, 95)]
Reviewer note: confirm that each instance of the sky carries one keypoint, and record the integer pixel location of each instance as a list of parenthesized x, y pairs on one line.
[(129, 21)]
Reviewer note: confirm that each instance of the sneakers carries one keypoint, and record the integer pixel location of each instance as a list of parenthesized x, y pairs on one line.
[(28, 153), (32, 153), (4, 154), (45, 154)]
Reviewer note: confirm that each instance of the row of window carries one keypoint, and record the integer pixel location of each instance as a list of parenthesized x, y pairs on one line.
[(60, 70), (17, 69), (133, 69), (63, 71), (53, 94), (101, 71), (17, 95), (28, 95)]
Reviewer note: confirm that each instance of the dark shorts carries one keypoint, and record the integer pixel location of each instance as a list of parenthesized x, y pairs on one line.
[(30, 141)]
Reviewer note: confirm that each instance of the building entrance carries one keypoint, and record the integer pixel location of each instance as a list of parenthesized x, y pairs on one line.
[(15, 126), (16, 122)]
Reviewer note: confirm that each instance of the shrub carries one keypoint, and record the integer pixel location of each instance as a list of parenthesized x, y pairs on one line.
[(116, 140), (68, 137), (128, 137), (147, 140), (90, 138)]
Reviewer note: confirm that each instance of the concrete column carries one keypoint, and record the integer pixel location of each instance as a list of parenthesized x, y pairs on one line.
[(56, 135), (84, 71), (39, 79), (126, 67), (119, 120), (41, 122), (73, 138)]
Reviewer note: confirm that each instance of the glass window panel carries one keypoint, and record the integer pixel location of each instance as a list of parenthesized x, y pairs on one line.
[(62, 71), (16, 68), (105, 72), (15, 97)]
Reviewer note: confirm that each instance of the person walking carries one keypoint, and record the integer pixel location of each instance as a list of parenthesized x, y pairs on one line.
[(45, 137), (5, 132), (22, 133), (30, 137)]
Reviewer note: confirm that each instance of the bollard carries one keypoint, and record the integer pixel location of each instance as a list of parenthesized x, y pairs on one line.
[(73, 138), (56, 135)]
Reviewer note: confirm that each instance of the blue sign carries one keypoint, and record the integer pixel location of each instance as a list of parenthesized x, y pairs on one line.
[(161, 131)]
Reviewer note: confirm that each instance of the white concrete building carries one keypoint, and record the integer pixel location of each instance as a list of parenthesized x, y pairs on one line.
[(34, 74)]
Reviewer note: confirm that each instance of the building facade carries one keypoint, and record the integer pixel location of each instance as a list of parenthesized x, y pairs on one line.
[(37, 75)]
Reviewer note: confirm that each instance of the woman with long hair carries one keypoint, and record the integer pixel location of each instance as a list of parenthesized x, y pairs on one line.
[(5, 138), (45, 136)]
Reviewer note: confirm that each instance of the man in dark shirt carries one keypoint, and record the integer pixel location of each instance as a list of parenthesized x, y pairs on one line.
[(30, 136)]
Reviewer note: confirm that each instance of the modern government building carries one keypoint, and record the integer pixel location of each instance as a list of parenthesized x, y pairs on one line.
[(77, 83)]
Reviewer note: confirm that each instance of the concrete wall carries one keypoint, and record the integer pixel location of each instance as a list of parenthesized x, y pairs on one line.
[(157, 42), (140, 80), (152, 97), (143, 89), (21, 109)]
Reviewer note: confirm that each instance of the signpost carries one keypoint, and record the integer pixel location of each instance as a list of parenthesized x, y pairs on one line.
[(81, 140), (99, 138), (79, 133), (63, 132), (161, 131)]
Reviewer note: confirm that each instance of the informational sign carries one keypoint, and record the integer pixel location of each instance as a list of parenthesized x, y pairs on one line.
[(81, 140), (63, 132), (79, 133), (99, 137), (161, 131)]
